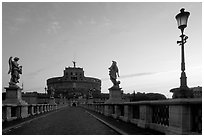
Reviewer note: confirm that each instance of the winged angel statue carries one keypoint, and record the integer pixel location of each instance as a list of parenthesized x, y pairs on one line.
[(15, 70)]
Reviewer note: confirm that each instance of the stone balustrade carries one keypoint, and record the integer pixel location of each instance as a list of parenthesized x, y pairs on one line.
[(13, 111), (173, 116)]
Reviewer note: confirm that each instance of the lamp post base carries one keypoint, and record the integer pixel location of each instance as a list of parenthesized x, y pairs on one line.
[(182, 92), (183, 80)]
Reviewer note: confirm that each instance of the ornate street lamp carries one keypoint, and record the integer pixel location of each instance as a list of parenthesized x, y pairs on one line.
[(182, 19), (183, 91)]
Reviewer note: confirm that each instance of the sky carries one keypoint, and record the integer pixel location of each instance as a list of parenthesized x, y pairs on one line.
[(140, 37)]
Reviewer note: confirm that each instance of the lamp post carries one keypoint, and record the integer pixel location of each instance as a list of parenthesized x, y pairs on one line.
[(182, 19), (183, 91), (45, 90)]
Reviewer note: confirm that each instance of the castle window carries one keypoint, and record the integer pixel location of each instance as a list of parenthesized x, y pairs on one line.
[(73, 78)]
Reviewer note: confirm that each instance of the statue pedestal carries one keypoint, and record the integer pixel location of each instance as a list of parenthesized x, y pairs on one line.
[(14, 96), (182, 92), (115, 96), (14, 101)]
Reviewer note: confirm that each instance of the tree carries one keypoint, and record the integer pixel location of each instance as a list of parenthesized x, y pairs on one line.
[(149, 96)]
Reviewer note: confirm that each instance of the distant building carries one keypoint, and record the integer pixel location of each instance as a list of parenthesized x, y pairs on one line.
[(73, 84), (41, 98), (98, 98), (35, 98), (197, 92)]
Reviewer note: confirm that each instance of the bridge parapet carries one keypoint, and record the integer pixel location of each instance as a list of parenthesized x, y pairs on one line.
[(173, 116), (13, 111)]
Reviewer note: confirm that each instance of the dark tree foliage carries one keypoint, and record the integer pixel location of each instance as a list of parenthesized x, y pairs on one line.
[(149, 96)]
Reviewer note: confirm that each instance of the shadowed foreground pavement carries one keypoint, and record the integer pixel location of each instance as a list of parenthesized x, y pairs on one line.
[(75, 121), (68, 121)]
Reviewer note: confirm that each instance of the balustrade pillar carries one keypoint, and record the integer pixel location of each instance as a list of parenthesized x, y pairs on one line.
[(23, 111), (38, 109), (48, 107), (102, 108), (45, 107), (145, 116), (41, 109), (32, 110), (179, 119), (108, 110), (128, 113), (117, 111), (8, 113)]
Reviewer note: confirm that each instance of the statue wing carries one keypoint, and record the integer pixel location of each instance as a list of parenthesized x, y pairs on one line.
[(10, 65)]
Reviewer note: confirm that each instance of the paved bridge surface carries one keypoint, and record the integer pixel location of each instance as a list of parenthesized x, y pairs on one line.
[(73, 121)]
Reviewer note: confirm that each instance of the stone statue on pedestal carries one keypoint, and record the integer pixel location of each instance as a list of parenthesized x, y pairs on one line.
[(114, 73), (15, 71), (13, 92), (115, 92)]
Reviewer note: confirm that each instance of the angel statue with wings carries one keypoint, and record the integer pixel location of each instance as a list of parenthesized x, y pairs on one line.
[(113, 73), (15, 70)]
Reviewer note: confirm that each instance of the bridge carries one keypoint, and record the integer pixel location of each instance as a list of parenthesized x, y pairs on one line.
[(174, 116), (71, 121)]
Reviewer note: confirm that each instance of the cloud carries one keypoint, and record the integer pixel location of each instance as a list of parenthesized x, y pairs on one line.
[(133, 75), (107, 21), (79, 21), (13, 25), (13, 29), (53, 27), (92, 21), (34, 73), (138, 74), (21, 20), (34, 89)]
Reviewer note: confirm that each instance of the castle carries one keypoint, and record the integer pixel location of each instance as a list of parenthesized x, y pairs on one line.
[(73, 84)]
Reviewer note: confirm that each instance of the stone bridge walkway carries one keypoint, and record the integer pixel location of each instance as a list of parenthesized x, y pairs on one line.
[(73, 121)]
